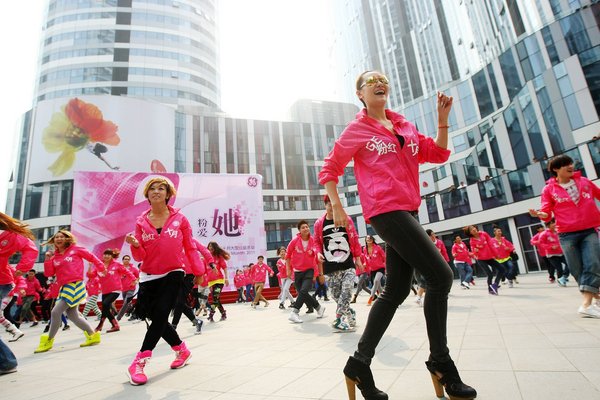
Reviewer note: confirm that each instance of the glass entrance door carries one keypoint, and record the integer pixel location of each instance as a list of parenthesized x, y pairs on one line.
[(530, 255)]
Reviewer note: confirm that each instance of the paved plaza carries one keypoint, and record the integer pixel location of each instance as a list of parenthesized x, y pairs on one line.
[(528, 343)]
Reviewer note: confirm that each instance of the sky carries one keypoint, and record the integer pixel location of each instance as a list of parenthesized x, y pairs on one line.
[(267, 61)]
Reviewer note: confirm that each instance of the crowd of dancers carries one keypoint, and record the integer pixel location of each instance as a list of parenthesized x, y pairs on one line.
[(386, 149)]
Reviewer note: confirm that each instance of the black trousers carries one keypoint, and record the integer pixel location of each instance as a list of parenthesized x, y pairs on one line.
[(181, 306), (158, 298), (304, 282), (107, 302), (408, 249)]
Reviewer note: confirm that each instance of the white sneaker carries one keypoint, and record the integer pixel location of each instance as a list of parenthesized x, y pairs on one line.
[(320, 312), (295, 318), (589, 311), (16, 335), (464, 285)]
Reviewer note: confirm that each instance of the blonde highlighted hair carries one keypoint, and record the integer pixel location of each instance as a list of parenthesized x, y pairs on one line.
[(161, 180), (70, 238)]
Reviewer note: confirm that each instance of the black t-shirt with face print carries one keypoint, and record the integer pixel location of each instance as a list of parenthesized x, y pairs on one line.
[(336, 248)]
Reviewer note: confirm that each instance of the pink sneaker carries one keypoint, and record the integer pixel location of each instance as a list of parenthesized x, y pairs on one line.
[(135, 372), (182, 356)]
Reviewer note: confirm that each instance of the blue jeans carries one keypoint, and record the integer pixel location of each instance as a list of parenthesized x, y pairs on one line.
[(582, 252), (464, 271), (7, 358)]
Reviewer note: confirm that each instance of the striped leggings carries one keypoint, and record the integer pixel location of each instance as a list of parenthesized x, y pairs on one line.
[(92, 305)]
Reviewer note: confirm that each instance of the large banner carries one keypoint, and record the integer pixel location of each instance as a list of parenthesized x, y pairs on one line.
[(225, 208), (100, 133)]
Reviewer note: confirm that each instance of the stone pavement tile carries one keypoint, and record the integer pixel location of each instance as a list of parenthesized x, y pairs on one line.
[(556, 386), (539, 360), (313, 385), (574, 339), (593, 377), (478, 327), (473, 342), (272, 381), (484, 360), (525, 341), (584, 359)]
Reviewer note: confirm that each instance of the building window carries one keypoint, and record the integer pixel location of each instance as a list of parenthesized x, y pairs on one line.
[(432, 209), (33, 201), (575, 33), (520, 185), (510, 73), (482, 92), (515, 135), (492, 193)]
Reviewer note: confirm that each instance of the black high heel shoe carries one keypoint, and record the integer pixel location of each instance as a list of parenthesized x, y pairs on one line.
[(445, 375), (359, 374)]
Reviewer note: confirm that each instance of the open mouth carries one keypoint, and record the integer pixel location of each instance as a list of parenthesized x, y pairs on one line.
[(379, 91)]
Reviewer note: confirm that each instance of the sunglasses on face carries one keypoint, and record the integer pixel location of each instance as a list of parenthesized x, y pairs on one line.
[(372, 80)]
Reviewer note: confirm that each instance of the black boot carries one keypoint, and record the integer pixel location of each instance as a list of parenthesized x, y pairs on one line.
[(445, 375), (359, 374)]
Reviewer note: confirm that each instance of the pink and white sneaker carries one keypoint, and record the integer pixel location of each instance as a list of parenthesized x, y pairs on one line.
[(182, 356), (135, 372)]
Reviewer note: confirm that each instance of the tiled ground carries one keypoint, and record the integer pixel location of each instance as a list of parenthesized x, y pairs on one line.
[(528, 343)]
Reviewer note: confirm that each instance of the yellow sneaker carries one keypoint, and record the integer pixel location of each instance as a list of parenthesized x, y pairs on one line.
[(45, 344), (90, 340)]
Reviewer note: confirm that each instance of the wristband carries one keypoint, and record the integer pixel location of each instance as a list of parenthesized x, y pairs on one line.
[(443, 126)]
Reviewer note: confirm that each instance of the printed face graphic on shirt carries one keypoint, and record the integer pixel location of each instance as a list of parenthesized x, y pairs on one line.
[(335, 244)]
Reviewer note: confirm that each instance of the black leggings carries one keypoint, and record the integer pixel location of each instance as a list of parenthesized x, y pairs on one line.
[(159, 297), (408, 248), (215, 290), (181, 306), (490, 264), (107, 302)]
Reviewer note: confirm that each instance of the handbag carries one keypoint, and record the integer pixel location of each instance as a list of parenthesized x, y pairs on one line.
[(514, 256)]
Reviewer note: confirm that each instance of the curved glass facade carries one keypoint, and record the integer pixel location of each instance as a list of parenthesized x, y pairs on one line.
[(162, 50)]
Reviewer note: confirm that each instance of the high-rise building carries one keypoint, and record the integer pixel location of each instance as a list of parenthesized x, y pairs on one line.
[(160, 50)]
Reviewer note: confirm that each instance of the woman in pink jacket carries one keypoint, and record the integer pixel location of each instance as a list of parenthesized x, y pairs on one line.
[(375, 257), (462, 261), (504, 248), (550, 242), (162, 238), (93, 291), (128, 284), (66, 261), (110, 281), (217, 279), (484, 252), (387, 150), (285, 281), (571, 200), (259, 277), (301, 259), (14, 237)]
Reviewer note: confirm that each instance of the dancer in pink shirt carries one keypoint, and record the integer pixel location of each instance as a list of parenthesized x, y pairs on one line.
[(462, 261), (259, 276), (301, 258), (14, 237), (375, 259), (285, 281), (504, 248), (66, 262), (484, 252), (93, 290), (217, 279), (163, 237), (535, 242), (128, 285), (550, 242), (572, 200), (387, 150)]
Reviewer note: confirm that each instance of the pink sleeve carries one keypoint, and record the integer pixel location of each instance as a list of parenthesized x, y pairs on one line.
[(49, 267), (289, 251), (429, 151), (138, 253), (319, 233), (547, 205), (29, 253), (353, 237), (343, 150), (204, 252), (189, 246), (86, 255)]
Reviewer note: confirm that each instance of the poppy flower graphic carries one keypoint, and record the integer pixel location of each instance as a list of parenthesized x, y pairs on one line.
[(79, 125)]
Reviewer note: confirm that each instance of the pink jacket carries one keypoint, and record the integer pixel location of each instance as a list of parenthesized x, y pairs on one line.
[(219, 273), (387, 175), (535, 241), (503, 248), (11, 243), (68, 267), (300, 259), (483, 248), (128, 281), (442, 248), (239, 280), (259, 272), (53, 290), (571, 217), (33, 287), (110, 277), (282, 268), (461, 253), (247, 277), (350, 230), (20, 284), (206, 257), (93, 286), (164, 252), (375, 260), (550, 243), (366, 269)]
